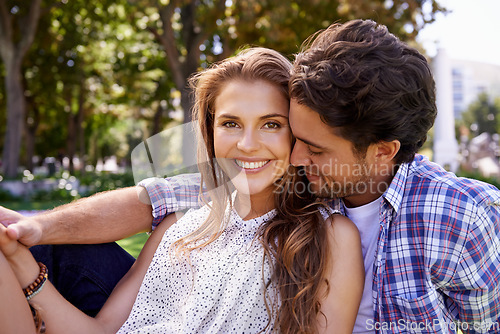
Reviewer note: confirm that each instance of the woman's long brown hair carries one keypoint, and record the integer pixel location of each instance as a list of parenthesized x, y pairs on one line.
[(295, 241)]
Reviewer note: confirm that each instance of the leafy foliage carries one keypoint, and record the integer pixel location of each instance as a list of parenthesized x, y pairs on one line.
[(483, 115), (103, 75)]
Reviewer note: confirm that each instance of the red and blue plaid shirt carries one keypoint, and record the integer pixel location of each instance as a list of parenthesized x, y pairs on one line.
[(437, 265)]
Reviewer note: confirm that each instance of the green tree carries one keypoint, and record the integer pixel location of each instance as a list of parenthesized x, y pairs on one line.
[(482, 115), (87, 70)]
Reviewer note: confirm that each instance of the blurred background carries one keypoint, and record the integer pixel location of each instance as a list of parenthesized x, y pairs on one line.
[(86, 82)]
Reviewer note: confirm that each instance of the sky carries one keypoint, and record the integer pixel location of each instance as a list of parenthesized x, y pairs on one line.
[(471, 31)]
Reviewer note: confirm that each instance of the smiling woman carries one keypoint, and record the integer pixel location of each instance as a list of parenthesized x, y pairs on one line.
[(252, 140)]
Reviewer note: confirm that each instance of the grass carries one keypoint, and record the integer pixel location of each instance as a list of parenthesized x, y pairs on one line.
[(32, 205), (134, 244)]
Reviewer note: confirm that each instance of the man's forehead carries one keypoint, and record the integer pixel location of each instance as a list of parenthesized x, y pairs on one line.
[(302, 115), (306, 125)]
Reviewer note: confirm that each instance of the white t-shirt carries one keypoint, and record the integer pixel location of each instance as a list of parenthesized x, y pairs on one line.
[(366, 218)]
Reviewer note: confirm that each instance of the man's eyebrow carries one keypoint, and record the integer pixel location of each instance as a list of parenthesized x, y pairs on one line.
[(305, 141)]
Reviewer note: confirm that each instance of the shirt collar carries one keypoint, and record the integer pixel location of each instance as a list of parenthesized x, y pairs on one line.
[(394, 194)]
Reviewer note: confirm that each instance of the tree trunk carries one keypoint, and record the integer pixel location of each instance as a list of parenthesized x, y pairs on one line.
[(30, 147), (71, 141), (79, 126), (182, 66), (32, 123), (188, 144), (16, 107), (157, 120), (12, 55)]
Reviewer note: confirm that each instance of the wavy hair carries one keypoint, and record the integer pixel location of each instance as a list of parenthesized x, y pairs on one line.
[(367, 85), (294, 241)]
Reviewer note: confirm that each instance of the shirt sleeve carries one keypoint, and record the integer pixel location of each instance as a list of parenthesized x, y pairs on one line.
[(474, 287), (172, 194)]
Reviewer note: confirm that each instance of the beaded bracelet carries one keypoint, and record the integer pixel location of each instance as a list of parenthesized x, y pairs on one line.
[(34, 288)]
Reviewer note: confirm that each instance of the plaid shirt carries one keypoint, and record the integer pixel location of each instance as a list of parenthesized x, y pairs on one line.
[(437, 266)]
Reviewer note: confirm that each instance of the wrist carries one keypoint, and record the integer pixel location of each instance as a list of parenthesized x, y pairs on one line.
[(37, 285), (24, 266), (39, 230)]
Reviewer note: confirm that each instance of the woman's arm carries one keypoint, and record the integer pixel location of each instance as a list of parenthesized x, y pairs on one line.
[(59, 315), (15, 314), (62, 317), (345, 276)]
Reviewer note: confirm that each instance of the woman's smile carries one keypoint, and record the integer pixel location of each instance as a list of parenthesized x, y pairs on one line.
[(252, 166)]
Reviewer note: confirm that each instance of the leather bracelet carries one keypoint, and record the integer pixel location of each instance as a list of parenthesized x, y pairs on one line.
[(35, 287)]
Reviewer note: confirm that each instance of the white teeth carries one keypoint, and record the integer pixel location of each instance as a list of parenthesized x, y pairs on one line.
[(251, 165)]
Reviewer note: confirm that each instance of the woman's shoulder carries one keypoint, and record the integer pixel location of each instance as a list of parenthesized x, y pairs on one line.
[(338, 224), (343, 230), (345, 275)]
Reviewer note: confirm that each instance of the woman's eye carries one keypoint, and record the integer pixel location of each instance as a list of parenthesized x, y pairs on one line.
[(272, 125), (229, 124)]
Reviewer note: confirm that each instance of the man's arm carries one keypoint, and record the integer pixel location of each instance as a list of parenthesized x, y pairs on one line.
[(103, 217), (107, 216), (475, 285)]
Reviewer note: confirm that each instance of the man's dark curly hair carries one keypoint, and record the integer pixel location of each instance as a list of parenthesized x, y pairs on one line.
[(367, 85)]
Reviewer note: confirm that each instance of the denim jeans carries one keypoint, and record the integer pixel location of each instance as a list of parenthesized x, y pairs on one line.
[(84, 274)]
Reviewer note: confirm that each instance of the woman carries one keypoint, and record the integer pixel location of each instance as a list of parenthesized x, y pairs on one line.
[(261, 258)]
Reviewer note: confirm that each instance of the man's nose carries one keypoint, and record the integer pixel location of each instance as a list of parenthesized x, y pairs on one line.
[(299, 156)]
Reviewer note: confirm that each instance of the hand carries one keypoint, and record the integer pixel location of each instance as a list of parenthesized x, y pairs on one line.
[(8, 246), (19, 257), (18, 227)]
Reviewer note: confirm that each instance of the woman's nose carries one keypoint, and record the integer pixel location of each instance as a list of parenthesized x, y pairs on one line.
[(249, 141)]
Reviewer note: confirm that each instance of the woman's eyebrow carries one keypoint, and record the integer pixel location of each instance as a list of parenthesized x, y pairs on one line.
[(273, 115), (230, 116)]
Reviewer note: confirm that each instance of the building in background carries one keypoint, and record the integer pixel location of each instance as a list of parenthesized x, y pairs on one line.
[(458, 84), (445, 144), (471, 79)]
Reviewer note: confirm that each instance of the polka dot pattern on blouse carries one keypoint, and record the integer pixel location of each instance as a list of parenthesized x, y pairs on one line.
[(222, 291)]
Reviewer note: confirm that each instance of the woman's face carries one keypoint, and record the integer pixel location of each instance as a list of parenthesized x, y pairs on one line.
[(252, 137)]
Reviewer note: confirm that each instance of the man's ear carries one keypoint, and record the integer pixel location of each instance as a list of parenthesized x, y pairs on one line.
[(385, 151)]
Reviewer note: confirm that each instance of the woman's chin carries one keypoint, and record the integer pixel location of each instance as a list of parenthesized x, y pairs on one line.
[(252, 189)]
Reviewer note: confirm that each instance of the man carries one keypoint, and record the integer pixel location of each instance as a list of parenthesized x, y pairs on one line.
[(362, 104)]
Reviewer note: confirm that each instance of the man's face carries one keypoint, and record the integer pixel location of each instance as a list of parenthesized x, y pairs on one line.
[(331, 165)]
